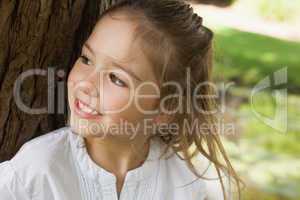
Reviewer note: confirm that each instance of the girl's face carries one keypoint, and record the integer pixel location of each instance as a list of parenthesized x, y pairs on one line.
[(111, 77)]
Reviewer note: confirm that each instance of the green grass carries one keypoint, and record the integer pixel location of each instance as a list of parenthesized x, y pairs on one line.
[(248, 57)]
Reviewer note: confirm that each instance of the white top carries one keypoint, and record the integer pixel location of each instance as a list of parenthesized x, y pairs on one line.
[(56, 166)]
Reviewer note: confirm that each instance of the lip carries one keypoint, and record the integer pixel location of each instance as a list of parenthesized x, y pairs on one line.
[(82, 114)]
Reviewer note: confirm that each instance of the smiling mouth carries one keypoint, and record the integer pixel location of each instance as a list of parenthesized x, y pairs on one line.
[(84, 110)]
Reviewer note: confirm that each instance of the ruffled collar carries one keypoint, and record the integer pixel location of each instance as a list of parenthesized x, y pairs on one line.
[(88, 167)]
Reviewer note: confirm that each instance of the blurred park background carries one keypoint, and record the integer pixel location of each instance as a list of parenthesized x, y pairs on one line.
[(253, 40)]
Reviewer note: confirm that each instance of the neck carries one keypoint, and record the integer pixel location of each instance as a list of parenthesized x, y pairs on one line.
[(116, 155)]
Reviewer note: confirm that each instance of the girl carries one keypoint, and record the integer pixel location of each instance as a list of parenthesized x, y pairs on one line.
[(134, 96)]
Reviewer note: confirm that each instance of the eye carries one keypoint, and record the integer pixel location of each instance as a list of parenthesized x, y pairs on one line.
[(116, 80), (85, 60)]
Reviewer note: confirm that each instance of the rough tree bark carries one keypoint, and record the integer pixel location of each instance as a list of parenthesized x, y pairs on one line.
[(40, 34)]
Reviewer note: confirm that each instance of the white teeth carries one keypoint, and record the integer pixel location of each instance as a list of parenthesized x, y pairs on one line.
[(87, 109)]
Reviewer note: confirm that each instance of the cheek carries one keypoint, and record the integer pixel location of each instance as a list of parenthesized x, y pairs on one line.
[(120, 104), (139, 108), (73, 77), (147, 98), (114, 99), (76, 74)]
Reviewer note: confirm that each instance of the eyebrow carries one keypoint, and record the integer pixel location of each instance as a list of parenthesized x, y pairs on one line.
[(114, 62)]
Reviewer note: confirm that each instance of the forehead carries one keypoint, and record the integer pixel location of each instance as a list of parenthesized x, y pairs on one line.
[(114, 36)]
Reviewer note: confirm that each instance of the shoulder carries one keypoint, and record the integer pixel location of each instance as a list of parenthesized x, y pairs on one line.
[(37, 156), (32, 163), (209, 184), (212, 180), (10, 186), (42, 150)]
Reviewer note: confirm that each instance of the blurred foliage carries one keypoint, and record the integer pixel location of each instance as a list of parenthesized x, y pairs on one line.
[(267, 137), (276, 10), (248, 57), (279, 10), (268, 161)]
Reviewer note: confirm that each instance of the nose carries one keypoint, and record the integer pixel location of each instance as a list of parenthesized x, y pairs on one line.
[(86, 87), (90, 83), (87, 92)]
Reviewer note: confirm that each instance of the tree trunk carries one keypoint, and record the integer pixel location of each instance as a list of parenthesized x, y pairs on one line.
[(44, 35)]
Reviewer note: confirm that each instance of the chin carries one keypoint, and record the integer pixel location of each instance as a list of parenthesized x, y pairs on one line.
[(85, 127)]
